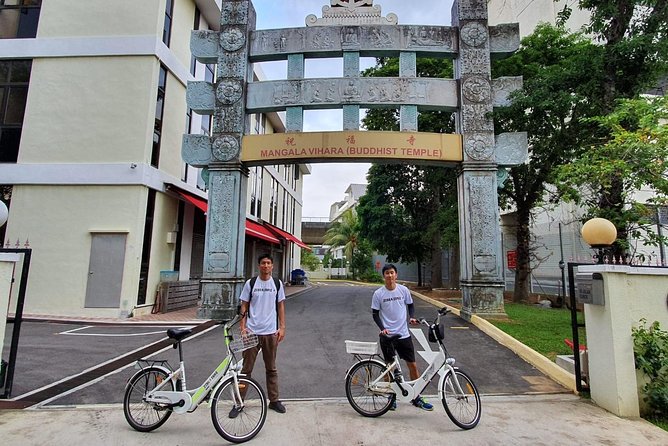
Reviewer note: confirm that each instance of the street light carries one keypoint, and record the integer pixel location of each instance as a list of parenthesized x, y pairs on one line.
[(600, 234), (4, 213)]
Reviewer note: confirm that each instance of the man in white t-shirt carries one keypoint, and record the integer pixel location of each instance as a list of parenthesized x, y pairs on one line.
[(263, 310), (388, 305)]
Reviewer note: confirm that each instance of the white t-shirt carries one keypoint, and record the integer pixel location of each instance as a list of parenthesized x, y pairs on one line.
[(263, 307), (392, 307)]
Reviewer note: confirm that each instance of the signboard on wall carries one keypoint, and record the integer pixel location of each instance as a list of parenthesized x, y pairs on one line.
[(511, 259)]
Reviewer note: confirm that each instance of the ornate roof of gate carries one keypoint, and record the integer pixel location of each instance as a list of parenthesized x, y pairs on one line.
[(351, 12)]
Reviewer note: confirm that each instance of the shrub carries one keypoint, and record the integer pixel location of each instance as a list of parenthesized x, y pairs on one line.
[(650, 346)]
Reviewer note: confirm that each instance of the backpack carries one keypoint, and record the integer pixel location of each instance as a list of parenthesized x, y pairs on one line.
[(250, 297)]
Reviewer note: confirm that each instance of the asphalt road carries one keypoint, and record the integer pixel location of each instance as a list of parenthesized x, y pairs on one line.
[(312, 360)]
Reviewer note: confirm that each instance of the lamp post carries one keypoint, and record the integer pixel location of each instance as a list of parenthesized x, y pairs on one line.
[(600, 234)]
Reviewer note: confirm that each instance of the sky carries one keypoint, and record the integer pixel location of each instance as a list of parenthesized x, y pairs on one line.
[(328, 182)]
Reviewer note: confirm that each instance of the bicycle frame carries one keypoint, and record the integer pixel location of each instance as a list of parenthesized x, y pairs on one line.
[(188, 400)]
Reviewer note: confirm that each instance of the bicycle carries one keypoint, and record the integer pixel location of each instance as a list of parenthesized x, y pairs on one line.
[(238, 403), (372, 386)]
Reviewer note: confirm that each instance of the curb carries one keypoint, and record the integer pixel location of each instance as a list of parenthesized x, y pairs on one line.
[(549, 368)]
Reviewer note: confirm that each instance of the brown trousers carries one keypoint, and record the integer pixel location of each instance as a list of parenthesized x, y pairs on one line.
[(269, 345)]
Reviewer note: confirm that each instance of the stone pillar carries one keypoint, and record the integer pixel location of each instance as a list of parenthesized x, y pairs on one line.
[(480, 242), (223, 274), (408, 114)]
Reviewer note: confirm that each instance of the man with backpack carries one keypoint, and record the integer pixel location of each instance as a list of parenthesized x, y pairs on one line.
[(263, 310)]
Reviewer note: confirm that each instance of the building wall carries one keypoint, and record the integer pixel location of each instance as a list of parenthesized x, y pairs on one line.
[(58, 222), (529, 13)]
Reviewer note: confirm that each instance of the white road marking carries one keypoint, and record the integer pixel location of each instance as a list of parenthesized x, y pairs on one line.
[(427, 354), (113, 372), (74, 332)]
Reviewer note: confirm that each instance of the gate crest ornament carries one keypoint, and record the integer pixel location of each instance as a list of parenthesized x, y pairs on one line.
[(351, 12)]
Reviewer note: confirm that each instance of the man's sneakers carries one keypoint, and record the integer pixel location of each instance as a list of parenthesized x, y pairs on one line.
[(393, 406), (277, 406), (422, 403), (234, 412)]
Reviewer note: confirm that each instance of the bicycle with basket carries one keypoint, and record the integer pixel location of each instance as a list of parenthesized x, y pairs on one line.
[(238, 403), (372, 386)]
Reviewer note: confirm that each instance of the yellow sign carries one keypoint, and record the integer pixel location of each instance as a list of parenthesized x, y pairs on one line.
[(355, 146)]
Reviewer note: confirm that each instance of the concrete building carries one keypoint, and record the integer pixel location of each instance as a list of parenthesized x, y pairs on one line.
[(93, 110)]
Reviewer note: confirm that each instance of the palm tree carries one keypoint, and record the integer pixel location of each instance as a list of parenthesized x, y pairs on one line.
[(344, 232)]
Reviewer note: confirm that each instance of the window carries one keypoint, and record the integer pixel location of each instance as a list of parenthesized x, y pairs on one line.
[(19, 18), (14, 79), (159, 111), (167, 30)]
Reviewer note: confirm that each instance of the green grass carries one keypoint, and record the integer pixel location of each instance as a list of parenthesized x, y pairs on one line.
[(663, 424), (542, 329)]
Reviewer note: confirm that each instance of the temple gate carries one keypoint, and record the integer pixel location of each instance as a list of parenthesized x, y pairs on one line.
[(352, 29)]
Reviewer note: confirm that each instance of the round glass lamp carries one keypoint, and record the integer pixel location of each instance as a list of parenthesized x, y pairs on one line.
[(4, 213), (599, 233)]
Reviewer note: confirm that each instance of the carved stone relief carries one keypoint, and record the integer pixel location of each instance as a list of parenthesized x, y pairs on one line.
[(477, 89), (351, 92), (350, 38), (475, 117), (479, 146), (379, 37), (233, 122), (232, 39), (231, 65), (221, 222), (504, 38), (502, 87), (482, 208), (472, 9), (351, 12), (229, 91), (425, 36), (485, 300), (473, 34), (475, 61), (234, 13), (225, 148), (511, 148)]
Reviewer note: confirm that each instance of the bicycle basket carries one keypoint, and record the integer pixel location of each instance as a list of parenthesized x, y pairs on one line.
[(243, 342), (361, 348)]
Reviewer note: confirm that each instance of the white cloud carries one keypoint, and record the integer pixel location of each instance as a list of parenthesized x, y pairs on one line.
[(328, 182)]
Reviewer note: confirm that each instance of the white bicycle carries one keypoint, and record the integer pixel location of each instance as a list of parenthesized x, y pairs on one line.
[(238, 403), (372, 386)]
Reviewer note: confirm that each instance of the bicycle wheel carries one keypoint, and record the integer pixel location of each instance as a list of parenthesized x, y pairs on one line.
[(239, 421), (463, 408), (363, 400), (141, 415)]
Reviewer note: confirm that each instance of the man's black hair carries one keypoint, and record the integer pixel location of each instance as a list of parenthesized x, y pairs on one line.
[(265, 256), (389, 266)]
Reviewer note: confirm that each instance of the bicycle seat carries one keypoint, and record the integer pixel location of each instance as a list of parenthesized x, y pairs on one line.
[(390, 338), (178, 333)]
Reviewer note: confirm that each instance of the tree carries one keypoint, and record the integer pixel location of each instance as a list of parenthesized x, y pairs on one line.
[(407, 212), (562, 75), (633, 36), (632, 157), (309, 260), (344, 233)]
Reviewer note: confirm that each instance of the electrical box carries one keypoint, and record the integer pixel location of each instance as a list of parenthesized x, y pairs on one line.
[(589, 288)]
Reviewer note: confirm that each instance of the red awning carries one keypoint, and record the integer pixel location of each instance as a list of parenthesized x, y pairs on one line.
[(200, 203), (253, 229), (257, 230), (287, 236)]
